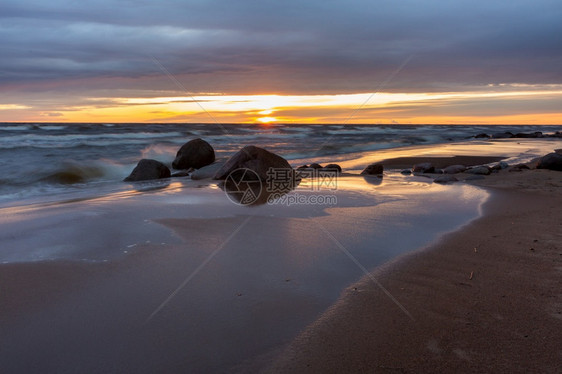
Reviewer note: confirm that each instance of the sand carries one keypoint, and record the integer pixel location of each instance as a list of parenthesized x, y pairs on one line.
[(497, 307), (487, 298)]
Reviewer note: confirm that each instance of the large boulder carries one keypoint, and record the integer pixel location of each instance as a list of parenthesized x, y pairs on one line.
[(195, 154), (257, 159), (148, 169), (552, 161), (206, 172), (373, 169)]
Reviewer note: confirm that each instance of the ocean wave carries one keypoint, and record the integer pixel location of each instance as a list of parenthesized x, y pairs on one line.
[(51, 127), (160, 152), (15, 128), (74, 140), (71, 172)]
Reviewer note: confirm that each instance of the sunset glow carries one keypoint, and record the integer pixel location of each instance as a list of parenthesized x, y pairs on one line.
[(514, 104), (191, 62)]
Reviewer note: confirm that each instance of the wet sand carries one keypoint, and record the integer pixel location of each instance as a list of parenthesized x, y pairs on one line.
[(182, 280), (486, 298)]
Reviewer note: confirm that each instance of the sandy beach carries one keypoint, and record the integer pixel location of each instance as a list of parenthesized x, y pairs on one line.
[(280, 187), (174, 277), (485, 298)]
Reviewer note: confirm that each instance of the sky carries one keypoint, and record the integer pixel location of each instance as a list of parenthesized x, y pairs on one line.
[(262, 61)]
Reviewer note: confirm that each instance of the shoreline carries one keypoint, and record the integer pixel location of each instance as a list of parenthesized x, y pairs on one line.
[(253, 298), (484, 297)]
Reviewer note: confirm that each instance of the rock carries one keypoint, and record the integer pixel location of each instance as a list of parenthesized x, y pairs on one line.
[(502, 135), (195, 154), (444, 179), (479, 170), (454, 169), (406, 172), (206, 172), (315, 166), (424, 167), (148, 169), (552, 161), (536, 134), (373, 169), (500, 166), (254, 158), (183, 173), (332, 167), (303, 167), (481, 136)]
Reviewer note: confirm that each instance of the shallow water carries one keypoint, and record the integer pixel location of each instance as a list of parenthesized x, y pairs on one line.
[(41, 161), (190, 282)]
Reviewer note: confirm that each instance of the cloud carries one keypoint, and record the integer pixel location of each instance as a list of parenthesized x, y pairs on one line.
[(280, 47)]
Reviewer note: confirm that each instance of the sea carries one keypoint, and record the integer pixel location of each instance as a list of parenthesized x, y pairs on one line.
[(54, 161)]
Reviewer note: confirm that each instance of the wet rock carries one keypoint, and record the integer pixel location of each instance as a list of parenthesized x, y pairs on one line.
[(406, 172), (373, 169), (454, 169), (479, 170), (148, 169), (536, 134), (195, 154), (424, 167), (183, 173), (552, 161), (206, 172), (482, 136), (315, 166), (444, 179), (500, 166), (257, 159)]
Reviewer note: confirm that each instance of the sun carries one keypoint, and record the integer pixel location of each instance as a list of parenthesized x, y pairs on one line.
[(266, 119)]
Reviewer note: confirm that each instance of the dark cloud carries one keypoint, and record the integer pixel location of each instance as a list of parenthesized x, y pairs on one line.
[(286, 47)]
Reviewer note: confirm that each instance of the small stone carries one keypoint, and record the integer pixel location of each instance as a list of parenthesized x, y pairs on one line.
[(424, 167), (332, 167), (454, 169), (479, 170), (373, 169)]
